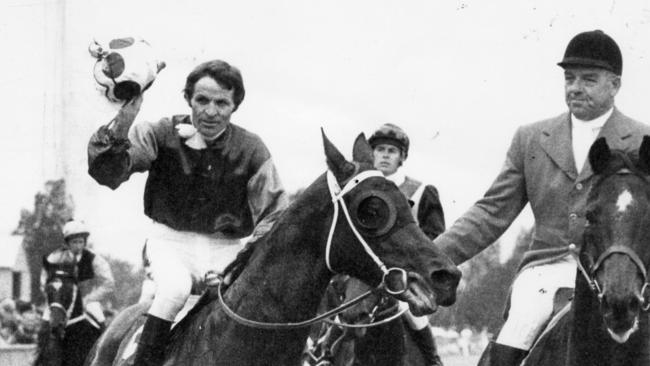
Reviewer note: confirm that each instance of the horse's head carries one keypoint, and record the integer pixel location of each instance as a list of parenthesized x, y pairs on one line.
[(61, 288), (615, 252), (375, 238)]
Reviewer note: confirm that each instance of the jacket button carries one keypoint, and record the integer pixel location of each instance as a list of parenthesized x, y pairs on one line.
[(579, 186), (573, 216)]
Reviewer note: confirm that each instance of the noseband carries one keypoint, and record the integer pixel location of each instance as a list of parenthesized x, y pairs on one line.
[(337, 198), (590, 274)]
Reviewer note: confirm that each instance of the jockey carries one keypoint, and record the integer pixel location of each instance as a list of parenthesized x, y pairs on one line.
[(210, 184), (94, 276), (390, 148), (547, 167)]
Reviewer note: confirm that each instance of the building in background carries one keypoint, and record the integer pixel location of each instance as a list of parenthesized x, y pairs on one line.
[(14, 273)]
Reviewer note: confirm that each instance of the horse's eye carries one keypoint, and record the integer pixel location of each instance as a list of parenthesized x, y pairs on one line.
[(373, 213)]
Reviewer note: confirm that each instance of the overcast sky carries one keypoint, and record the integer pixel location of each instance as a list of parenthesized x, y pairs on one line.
[(458, 76)]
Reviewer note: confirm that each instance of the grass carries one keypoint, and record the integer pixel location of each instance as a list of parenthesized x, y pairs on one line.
[(460, 360)]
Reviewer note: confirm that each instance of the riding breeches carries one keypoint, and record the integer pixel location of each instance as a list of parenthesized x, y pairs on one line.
[(181, 258), (414, 322), (531, 301)]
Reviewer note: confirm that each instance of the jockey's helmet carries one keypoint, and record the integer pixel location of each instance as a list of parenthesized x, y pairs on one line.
[(75, 228), (391, 134)]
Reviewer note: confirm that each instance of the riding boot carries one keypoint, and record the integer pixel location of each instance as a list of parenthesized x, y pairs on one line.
[(427, 345), (152, 343), (500, 355)]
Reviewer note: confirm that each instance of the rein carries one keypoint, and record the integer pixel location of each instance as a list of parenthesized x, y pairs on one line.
[(305, 323), (337, 194), (372, 323)]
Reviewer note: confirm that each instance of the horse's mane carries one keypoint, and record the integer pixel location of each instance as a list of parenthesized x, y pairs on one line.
[(235, 268)]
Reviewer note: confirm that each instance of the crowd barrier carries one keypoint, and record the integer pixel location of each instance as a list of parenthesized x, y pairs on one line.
[(17, 354)]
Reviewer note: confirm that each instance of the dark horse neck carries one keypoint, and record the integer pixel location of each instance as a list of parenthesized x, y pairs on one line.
[(284, 281), (593, 346)]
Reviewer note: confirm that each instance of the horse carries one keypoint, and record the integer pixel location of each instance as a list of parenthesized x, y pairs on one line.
[(364, 229), (370, 333), (67, 334), (607, 323)]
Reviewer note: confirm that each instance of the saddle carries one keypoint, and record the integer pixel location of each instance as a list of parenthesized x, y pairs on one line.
[(561, 307)]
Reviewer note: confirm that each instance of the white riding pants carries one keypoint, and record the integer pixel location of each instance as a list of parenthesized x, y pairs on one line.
[(414, 322), (180, 259), (531, 301), (94, 308)]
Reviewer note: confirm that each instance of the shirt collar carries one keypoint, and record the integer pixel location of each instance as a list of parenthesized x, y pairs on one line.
[(398, 177), (195, 140), (595, 123)]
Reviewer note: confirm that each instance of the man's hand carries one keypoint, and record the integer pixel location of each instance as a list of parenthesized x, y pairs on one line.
[(125, 117)]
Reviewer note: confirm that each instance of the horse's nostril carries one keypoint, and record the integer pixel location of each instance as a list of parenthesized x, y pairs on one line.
[(635, 304), (444, 285), (444, 278)]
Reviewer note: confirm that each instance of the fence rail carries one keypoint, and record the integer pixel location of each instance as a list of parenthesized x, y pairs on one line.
[(17, 355)]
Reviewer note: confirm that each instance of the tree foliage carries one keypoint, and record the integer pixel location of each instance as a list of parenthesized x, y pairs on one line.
[(128, 283), (41, 228)]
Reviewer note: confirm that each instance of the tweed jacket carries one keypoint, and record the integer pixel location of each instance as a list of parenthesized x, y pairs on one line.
[(540, 170)]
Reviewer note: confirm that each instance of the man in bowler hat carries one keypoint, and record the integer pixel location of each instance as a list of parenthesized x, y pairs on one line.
[(547, 167)]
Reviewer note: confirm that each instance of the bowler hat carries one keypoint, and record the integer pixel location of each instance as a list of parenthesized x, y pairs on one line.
[(593, 49)]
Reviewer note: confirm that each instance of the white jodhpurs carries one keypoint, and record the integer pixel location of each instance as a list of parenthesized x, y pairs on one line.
[(414, 322), (94, 308), (531, 301), (180, 259)]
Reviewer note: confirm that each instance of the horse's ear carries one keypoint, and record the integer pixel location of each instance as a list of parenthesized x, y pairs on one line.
[(362, 152), (336, 162), (644, 155), (599, 155)]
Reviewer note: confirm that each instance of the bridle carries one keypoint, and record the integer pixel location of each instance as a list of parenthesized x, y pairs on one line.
[(67, 312), (69, 320), (336, 193), (374, 314), (321, 351), (590, 273)]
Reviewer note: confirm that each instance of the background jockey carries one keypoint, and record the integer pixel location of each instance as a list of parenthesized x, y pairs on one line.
[(94, 276), (210, 183), (390, 146)]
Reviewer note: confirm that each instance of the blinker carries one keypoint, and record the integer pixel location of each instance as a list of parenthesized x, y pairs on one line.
[(373, 213)]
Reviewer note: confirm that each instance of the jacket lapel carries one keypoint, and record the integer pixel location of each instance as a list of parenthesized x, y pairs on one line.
[(615, 131), (556, 142)]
